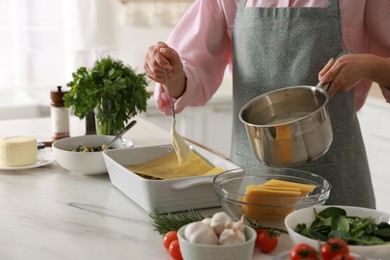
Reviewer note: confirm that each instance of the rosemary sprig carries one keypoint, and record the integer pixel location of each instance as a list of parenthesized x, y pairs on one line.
[(165, 222), (255, 225)]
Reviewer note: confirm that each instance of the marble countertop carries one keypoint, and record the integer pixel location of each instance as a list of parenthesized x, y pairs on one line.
[(50, 213)]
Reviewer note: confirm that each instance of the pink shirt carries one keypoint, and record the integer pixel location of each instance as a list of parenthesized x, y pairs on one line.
[(203, 39)]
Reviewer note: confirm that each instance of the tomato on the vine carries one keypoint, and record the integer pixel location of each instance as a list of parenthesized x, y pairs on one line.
[(333, 247), (174, 250), (266, 240), (303, 252), (169, 237)]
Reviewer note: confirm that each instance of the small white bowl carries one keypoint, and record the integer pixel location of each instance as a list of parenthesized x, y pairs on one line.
[(306, 215), (194, 251), (88, 163)]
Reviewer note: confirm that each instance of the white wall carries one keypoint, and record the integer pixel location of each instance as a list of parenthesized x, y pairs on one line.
[(138, 26)]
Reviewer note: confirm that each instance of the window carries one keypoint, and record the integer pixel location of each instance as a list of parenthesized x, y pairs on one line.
[(44, 41)]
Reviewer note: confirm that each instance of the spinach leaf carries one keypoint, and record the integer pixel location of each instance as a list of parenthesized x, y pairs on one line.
[(339, 223)]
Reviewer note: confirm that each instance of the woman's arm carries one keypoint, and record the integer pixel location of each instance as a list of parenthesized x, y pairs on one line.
[(195, 54)]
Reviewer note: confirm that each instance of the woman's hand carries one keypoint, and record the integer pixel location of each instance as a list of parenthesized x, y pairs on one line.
[(159, 57), (350, 69), (345, 72)]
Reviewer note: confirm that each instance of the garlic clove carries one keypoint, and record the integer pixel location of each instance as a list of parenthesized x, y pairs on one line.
[(201, 233), (206, 220), (231, 236), (239, 225), (220, 221)]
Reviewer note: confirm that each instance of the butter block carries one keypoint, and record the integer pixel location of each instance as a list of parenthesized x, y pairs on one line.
[(18, 151)]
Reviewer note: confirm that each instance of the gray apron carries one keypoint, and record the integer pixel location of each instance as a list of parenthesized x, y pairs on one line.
[(279, 47)]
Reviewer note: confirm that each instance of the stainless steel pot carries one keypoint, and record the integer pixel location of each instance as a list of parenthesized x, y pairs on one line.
[(289, 126)]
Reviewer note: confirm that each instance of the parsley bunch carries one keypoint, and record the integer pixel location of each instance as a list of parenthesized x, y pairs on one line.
[(112, 89)]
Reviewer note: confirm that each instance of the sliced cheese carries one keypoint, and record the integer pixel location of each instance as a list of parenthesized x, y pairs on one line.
[(270, 200), (306, 188), (281, 188), (215, 170), (182, 150), (260, 191), (168, 167)]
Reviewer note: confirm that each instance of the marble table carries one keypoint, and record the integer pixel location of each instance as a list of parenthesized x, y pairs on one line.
[(51, 213)]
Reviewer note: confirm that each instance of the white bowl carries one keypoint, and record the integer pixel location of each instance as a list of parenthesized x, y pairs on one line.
[(306, 215), (89, 163), (194, 251)]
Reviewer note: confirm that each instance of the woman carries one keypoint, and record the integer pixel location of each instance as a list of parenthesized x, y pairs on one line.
[(270, 44)]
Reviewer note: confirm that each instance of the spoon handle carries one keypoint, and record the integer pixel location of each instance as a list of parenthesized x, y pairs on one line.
[(127, 128), (169, 93)]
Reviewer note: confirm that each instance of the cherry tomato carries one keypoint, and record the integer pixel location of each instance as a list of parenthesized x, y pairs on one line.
[(303, 252), (266, 240), (174, 250), (343, 257), (333, 247), (169, 237)]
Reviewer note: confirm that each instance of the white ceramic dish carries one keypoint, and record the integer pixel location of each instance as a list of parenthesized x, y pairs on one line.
[(89, 163), (306, 215), (163, 195), (242, 251), (44, 157)]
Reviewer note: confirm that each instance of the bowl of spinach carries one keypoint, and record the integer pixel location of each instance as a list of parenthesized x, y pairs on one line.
[(367, 231)]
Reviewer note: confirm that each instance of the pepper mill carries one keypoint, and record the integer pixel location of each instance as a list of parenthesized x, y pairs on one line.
[(59, 115)]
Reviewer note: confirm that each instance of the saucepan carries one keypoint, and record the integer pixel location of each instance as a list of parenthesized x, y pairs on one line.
[(289, 126)]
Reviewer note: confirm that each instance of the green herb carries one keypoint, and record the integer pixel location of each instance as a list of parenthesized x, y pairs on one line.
[(115, 90), (165, 222), (88, 149), (334, 222), (274, 230)]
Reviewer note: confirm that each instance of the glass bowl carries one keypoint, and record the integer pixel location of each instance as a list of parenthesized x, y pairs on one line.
[(230, 188)]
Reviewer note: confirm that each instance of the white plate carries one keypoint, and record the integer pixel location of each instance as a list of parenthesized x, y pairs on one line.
[(45, 157), (286, 256)]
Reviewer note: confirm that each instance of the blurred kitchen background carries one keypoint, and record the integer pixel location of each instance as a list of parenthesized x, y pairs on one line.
[(44, 41)]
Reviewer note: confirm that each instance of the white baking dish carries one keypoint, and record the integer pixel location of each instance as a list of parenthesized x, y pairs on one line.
[(163, 195)]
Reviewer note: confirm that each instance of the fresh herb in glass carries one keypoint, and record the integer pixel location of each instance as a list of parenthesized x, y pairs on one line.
[(112, 89)]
